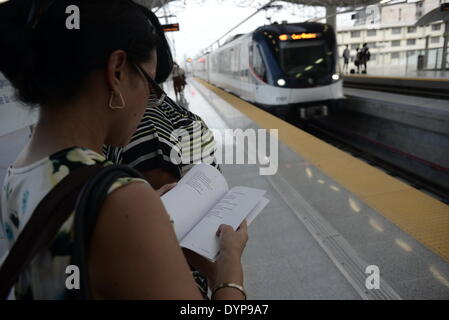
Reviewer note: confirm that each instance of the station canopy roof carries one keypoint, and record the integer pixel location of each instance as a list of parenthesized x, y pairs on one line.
[(435, 15), (339, 3)]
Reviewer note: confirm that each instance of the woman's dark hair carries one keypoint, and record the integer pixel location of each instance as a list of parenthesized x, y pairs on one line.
[(45, 60)]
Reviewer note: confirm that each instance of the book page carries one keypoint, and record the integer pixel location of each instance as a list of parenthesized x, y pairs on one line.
[(194, 195), (257, 209), (232, 209)]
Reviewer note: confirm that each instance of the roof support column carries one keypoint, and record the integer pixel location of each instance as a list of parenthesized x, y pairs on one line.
[(331, 16), (445, 39)]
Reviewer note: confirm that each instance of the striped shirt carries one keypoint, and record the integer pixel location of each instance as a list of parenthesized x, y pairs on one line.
[(168, 137), (172, 138)]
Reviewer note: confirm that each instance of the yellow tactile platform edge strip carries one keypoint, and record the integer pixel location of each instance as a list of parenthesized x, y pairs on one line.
[(423, 217)]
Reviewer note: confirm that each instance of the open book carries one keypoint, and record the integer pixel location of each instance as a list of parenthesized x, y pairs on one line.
[(202, 201)]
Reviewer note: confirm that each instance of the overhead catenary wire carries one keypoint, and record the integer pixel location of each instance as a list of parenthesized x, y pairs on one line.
[(264, 7)]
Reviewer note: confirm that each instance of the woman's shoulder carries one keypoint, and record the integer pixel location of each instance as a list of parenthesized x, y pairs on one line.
[(78, 157), (28, 188)]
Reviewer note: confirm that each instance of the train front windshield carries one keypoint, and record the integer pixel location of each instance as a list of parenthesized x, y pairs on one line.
[(304, 58)]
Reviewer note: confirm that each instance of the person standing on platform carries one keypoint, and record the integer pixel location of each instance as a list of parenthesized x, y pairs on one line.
[(151, 149), (365, 56), (179, 82), (168, 141), (346, 57), (358, 59)]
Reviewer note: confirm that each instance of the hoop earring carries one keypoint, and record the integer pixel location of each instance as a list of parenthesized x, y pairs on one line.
[(123, 104)]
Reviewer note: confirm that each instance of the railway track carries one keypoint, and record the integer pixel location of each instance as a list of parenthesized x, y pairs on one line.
[(344, 141)]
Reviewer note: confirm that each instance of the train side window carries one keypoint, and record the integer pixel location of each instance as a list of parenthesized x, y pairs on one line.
[(258, 64)]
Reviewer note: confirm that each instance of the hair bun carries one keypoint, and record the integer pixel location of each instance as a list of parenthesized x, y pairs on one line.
[(14, 35)]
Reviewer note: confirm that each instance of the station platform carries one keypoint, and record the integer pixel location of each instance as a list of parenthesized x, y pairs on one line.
[(401, 72), (330, 215)]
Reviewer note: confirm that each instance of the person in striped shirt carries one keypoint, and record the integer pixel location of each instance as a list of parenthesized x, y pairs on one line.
[(167, 143)]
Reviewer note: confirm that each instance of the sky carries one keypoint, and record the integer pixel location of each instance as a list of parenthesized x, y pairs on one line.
[(202, 22)]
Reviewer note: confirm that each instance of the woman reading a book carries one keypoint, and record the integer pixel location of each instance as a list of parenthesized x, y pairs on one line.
[(92, 86)]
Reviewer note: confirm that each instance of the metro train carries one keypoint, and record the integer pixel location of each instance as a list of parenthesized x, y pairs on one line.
[(279, 67)]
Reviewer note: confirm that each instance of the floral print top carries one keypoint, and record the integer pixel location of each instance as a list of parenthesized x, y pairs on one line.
[(23, 189)]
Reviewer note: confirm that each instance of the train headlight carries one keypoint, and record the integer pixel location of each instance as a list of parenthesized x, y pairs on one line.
[(281, 82), (335, 76)]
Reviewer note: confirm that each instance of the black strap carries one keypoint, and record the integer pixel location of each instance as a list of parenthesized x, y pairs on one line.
[(88, 207), (53, 211)]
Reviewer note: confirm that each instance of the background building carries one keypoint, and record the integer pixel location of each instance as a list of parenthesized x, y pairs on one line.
[(392, 36)]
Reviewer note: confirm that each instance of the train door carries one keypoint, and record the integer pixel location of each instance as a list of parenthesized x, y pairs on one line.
[(250, 81), (208, 66), (237, 73), (260, 71), (243, 70)]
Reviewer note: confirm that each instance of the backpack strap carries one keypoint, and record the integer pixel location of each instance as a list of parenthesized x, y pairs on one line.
[(88, 208), (84, 191)]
